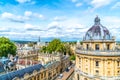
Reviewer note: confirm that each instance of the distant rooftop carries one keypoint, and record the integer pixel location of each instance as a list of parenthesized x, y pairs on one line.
[(51, 63), (3, 61), (20, 73)]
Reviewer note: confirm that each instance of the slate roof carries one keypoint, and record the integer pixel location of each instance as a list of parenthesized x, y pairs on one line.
[(20, 73), (1, 67), (3, 61)]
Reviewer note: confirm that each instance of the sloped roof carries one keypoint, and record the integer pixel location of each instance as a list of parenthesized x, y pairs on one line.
[(3, 61), (20, 73)]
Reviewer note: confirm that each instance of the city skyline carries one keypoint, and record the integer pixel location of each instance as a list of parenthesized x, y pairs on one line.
[(67, 20)]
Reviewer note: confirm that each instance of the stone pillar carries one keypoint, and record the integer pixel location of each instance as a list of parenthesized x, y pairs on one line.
[(115, 68), (81, 65), (92, 66), (103, 69)]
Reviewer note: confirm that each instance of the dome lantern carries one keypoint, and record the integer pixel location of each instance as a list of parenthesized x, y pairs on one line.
[(97, 20)]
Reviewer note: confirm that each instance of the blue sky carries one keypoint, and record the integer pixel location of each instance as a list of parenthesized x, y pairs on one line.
[(64, 19)]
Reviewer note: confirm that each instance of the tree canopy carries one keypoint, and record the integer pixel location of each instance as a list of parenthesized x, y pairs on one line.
[(54, 46), (57, 45), (7, 47), (72, 57)]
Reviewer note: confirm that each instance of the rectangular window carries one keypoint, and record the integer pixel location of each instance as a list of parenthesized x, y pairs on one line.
[(118, 72), (87, 46), (108, 72), (97, 63), (108, 47), (97, 72), (118, 63), (78, 77), (97, 47)]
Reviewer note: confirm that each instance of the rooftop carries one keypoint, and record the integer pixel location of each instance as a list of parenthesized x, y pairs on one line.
[(51, 64), (20, 73)]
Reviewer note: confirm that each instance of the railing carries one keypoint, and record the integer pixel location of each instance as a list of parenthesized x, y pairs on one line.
[(98, 53), (97, 76)]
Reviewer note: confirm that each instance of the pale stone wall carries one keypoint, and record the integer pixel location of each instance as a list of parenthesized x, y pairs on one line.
[(108, 66)]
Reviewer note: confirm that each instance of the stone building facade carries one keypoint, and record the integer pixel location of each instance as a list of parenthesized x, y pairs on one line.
[(48, 71), (97, 58)]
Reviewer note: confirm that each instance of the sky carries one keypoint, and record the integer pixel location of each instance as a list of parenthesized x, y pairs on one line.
[(65, 19)]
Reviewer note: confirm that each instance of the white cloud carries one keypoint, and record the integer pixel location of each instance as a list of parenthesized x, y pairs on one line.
[(23, 1), (74, 1), (7, 15), (78, 4), (13, 17), (68, 28), (28, 13), (40, 16), (72, 23), (113, 24), (100, 3), (112, 21), (59, 18), (117, 5), (54, 23), (29, 26), (3, 29)]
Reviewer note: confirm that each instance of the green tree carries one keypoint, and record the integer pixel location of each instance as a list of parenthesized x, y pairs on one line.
[(7, 47), (44, 49), (61, 48), (67, 48), (54, 46), (72, 57)]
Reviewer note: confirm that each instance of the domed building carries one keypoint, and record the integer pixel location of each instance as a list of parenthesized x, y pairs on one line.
[(98, 58)]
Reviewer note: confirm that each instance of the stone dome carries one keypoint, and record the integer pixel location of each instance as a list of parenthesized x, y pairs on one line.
[(97, 31)]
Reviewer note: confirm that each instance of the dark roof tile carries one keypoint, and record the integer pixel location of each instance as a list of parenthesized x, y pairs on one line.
[(20, 73)]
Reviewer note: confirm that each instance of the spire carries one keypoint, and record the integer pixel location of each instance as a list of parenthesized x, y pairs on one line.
[(39, 39), (97, 20)]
